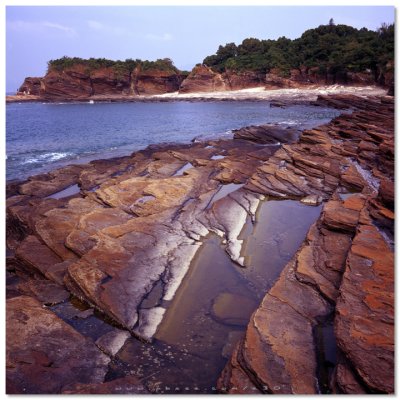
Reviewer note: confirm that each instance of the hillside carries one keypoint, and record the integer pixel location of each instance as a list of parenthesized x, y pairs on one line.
[(329, 54), (325, 53)]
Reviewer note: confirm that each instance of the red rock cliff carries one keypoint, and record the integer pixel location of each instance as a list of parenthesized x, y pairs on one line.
[(78, 83), (154, 81), (31, 86), (205, 79)]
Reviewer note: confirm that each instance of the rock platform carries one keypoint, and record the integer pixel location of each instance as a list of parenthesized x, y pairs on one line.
[(124, 241)]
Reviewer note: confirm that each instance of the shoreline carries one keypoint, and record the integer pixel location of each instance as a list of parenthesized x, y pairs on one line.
[(293, 97), (250, 94)]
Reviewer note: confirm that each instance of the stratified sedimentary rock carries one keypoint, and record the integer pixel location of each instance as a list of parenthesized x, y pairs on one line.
[(44, 353), (344, 270), (128, 229)]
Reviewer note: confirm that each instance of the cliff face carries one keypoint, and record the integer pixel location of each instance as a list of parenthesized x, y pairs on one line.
[(154, 81), (204, 79), (303, 76), (31, 86), (73, 83), (77, 83), (243, 80), (106, 81)]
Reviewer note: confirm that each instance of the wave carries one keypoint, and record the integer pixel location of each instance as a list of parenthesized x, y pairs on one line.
[(289, 122), (47, 157)]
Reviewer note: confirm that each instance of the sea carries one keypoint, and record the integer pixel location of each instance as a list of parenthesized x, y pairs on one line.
[(44, 136)]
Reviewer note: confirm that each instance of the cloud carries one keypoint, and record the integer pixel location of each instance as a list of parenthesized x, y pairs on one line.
[(60, 27), (165, 37), (99, 26), (96, 25), (25, 26)]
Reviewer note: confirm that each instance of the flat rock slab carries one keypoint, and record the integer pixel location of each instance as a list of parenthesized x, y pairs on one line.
[(44, 354), (47, 292)]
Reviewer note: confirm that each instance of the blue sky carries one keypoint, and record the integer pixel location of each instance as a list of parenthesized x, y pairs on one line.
[(37, 34)]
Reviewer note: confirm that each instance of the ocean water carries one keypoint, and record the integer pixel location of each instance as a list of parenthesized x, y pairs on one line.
[(41, 137)]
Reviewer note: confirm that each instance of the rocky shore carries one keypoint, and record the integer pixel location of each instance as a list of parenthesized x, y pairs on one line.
[(277, 96), (78, 82), (119, 236)]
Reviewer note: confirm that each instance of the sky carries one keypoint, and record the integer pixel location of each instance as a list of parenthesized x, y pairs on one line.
[(36, 34)]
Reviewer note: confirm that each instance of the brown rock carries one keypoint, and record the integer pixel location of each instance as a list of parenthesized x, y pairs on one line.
[(46, 292), (234, 380), (44, 353), (155, 81), (107, 81), (203, 79), (31, 86), (35, 254), (266, 134), (55, 181), (243, 80), (386, 192), (336, 217), (72, 83), (364, 322), (57, 224), (346, 380), (126, 385)]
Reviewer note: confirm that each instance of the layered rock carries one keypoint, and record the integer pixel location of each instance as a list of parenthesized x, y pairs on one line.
[(72, 83), (305, 76), (125, 240), (203, 79), (44, 353), (108, 81), (237, 80), (136, 222), (329, 273), (30, 86), (79, 82), (344, 270), (154, 81)]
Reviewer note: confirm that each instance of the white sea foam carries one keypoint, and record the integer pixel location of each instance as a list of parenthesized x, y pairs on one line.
[(289, 122), (47, 157)]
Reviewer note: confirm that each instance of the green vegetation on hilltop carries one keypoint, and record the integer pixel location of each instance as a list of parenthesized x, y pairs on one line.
[(119, 66), (331, 48)]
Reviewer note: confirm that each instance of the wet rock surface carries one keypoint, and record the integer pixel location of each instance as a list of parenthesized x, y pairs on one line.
[(44, 353), (123, 244), (343, 271)]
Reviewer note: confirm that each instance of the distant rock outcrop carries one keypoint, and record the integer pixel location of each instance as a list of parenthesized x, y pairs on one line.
[(154, 81), (203, 79), (78, 82), (30, 86)]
